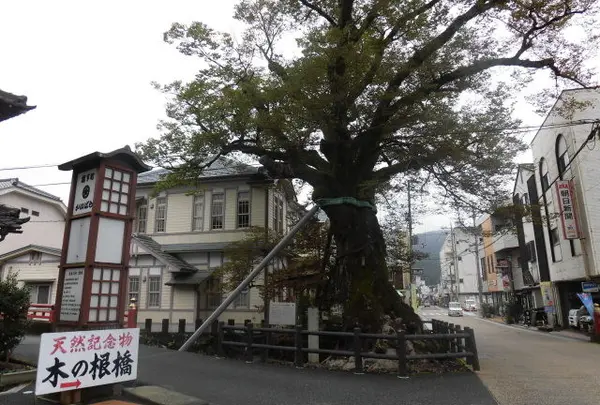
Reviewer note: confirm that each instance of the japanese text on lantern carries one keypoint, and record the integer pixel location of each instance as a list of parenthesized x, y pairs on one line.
[(564, 189), (82, 359)]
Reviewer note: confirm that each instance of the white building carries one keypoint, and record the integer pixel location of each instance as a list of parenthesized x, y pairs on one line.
[(566, 149), (181, 234), (532, 253), (47, 212), (459, 266)]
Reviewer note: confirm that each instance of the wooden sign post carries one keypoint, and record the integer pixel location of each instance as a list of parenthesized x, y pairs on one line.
[(95, 255)]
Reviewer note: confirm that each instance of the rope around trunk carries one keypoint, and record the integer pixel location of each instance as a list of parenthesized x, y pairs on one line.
[(324, 202)]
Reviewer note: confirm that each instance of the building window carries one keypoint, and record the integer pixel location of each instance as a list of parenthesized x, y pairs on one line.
[(25, 210), (154, 291), (461, 281), (554, 236), (115, 192), (39, 293), (531, 254), (104, 295), (278, 213), (35, 213), (141, 218), (243, 209), (243, 299), (562, 157), (525, 200), (217, 211), (35, 257), (134, 288), (214, 293), (198, 212), (544, 175), (161, 215)]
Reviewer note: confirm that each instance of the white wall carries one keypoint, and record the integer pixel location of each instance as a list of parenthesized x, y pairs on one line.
[(585, 172), (44, 230), (42, 272)]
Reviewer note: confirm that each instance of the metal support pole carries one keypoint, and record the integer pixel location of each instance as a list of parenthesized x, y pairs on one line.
[(231, 297), (478, 264)]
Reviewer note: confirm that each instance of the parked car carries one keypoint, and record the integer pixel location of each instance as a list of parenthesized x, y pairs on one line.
[(575, 315), (427, 304), (470, 305), (454, 309)]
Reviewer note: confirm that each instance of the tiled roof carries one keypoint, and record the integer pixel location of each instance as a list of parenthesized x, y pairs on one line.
[(189, 279), (15, 182), (155, 249), (12, 105), (222, 167)]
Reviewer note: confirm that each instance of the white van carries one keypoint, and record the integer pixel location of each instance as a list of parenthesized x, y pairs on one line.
[(470, 305)]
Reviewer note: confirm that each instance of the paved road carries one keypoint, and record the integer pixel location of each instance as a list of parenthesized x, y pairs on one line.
[(524, 367), (232, 382)]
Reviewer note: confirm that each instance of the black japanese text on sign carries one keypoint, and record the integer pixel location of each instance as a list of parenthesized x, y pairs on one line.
[(72, 360)]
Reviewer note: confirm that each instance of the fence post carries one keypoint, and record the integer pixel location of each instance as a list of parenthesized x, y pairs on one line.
[(473, 348), (445, 331), (165, 326), (401, 353), (249, 337), (220, 339), (148, 325), (181, 326), (264, 354), (460, 341), (214, 333), (358, 362), (298, 341), (451, 341), (231, 322)]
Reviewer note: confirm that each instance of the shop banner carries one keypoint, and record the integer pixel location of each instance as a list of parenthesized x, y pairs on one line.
[(588, 303), (547, 296)]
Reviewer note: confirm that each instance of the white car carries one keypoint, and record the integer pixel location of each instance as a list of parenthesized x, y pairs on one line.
[(454, 309)]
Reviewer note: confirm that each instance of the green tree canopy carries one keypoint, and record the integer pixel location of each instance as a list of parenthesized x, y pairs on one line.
[(348, 95)]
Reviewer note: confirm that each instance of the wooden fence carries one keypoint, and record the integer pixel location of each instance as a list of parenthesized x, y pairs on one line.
[(456, 342)]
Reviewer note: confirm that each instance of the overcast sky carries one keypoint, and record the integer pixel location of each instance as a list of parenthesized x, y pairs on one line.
[(88, 70)]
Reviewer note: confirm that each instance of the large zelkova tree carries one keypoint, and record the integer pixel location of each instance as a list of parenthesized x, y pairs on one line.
[(350, 95)]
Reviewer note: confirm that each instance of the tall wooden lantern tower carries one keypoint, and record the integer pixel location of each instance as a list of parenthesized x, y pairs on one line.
[(95, 255)]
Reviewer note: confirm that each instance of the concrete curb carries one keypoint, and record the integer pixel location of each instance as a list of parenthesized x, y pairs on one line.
[(155, 395)]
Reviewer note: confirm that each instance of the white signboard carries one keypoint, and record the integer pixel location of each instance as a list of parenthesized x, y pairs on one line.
[(70, 303), (566, 207), (83, 359), (282, 313), (84, 192)]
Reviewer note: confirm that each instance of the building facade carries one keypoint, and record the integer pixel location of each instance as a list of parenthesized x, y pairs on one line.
[(567, 169), (47, 213), (458, 264), (181, 235)]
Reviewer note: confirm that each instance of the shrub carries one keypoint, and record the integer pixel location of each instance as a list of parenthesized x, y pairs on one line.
[(512, 312), (14, 304), (487, 310)]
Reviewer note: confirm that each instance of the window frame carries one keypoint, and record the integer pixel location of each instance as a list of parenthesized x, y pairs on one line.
[(214, 216), (35, 287), (562, 159), (150, 292), (242, 300), (159, 205), (214, 293), (278, 212), (139, 220), (239, 214), (198, 200), (130, 292)]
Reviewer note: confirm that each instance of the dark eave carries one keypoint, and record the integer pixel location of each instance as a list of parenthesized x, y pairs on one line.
[(124, 154), (12, 105)]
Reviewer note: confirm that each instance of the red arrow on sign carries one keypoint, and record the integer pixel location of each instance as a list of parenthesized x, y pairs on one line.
[(72, 384)]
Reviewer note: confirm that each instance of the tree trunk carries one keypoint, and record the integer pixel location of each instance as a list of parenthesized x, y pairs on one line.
[(360, 281)]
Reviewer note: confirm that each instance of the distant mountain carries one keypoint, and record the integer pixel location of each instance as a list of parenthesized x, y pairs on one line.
[(430, 243)]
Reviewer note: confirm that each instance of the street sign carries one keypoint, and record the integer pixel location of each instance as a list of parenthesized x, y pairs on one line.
[(71, 297), (282, 313), (589, 287), (83, 359)]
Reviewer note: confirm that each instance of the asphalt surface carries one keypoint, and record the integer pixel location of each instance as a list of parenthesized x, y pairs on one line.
[(233, 382), (523, 366)]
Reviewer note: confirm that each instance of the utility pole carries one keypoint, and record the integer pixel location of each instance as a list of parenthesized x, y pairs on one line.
[(477, 261), (454, 277), (410, 250)]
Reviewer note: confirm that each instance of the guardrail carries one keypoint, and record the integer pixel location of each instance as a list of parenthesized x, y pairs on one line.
[(41, 312), (458, 343)]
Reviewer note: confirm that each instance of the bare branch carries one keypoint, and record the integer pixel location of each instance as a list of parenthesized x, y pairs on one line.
[(319, 11)]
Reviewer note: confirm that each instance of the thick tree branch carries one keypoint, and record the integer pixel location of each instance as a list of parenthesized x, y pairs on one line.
[(319, 11)]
